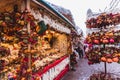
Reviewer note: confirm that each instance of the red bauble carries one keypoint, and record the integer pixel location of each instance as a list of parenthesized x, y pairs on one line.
[(115, 59), (90, 45), (14, 76), (105, 40), (96, 41), (111, 40)]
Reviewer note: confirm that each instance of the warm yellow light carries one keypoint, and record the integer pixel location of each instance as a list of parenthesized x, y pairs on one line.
[(47, 32), (57, 34), (52, 32)]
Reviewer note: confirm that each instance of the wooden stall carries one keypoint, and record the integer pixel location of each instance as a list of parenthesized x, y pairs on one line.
[(35, 41)]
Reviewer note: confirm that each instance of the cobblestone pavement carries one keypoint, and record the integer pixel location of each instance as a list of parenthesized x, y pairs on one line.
[(83, 70)]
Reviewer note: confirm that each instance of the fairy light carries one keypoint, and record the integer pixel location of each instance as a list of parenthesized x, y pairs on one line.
[(47, 32), (52, 32)]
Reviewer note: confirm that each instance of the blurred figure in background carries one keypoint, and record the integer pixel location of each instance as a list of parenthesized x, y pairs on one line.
[(73, 59), (80, 52)]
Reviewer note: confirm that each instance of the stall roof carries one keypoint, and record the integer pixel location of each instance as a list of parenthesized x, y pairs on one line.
[(55, 11)]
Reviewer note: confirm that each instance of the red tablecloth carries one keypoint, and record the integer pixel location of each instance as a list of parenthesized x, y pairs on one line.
[(62, 73), (46, 68)]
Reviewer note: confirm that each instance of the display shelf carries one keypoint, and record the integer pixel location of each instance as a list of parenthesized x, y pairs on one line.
[(54, 70), (103, 39), (47, 67), (26, 42)]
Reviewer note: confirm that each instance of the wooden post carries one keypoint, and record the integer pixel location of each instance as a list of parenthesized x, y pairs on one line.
[(29, 55), (27, 7)]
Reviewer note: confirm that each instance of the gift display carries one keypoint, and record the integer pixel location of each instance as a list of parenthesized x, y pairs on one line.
[(103, 45), (31, 48), (54, 71), (101, 76), (11, 23), (103, 20), (49, 50), (103, 42), (103, 38)]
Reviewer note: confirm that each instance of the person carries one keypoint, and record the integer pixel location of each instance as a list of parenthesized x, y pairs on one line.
[(73, 61), (80, 52), (77, 54)]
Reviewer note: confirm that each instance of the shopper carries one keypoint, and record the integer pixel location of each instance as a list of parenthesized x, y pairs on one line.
[(73, 61), (77, 54), (80, 52)]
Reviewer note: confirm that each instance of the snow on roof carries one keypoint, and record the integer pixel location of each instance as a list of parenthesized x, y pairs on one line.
[(65, 12)]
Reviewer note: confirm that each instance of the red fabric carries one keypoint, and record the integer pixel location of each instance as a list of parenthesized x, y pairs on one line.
[(46, 68), (53, 64), (60, 75)]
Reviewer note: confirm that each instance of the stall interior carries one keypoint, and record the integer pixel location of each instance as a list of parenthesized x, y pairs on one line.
[(51, 47)]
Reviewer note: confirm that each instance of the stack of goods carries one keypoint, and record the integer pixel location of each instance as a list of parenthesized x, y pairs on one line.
[(14, 40), (27, 45), (11, 24), (103, 42), (103, 20), (103, 46), (47, 51), (103, 39), (102, 76)]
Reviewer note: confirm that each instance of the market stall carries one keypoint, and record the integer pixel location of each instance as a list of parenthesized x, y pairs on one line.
[(103, 41), (34, 45)]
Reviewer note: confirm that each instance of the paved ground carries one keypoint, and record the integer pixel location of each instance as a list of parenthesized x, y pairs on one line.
[(83, 70)]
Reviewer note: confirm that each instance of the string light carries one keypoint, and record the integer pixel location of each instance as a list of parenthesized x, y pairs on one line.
[(47, 32)]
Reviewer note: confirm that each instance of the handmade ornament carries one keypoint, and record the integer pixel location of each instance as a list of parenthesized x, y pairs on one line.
[(111, 40), (103, 59), (109, 60), (103, 20), (96, 41), (42, 28)]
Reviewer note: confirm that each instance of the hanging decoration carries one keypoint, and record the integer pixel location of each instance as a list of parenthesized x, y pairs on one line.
[(13, 43), (103, 38), (42, 27), (53, 23), (103, 20), (21, 44), (103, 45)]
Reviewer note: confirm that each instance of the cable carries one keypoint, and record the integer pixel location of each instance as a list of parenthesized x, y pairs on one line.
[(115, 6), (105, 8), (111, 6), (111, 3)]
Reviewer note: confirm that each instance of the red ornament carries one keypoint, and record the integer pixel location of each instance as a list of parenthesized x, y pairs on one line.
[(14, 76), (111, 40), (96, 41), (115, 59), (4, 24), (90, 45), (105, 40)]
